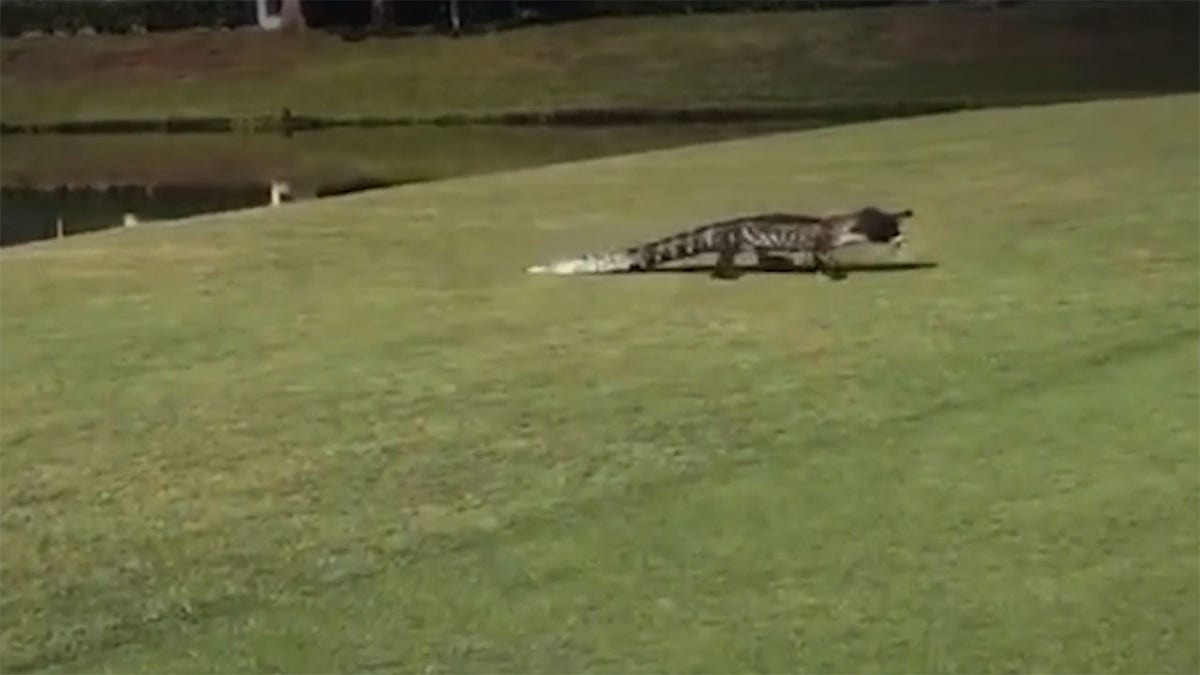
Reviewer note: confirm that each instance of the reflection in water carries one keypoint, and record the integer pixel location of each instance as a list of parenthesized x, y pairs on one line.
[(30, 214), (164, 176)]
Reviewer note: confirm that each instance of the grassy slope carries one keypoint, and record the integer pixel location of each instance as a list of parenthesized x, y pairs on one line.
[(1038, 51), (352, 434)]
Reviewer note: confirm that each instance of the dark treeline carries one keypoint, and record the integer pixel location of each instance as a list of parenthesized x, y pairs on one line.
[(18, 17), (485, 14)]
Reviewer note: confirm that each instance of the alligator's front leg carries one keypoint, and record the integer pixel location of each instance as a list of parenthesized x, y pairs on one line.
[(769, 261), (827, 265)]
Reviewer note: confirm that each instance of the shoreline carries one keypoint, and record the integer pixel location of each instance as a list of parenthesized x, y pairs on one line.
[(823, 114)]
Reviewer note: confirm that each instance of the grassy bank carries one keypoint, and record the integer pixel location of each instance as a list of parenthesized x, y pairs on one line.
[(351, 434), (1039, 51)]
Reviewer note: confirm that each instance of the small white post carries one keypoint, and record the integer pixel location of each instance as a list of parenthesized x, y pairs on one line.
[(58, 228), (130, 219), (281, 191)]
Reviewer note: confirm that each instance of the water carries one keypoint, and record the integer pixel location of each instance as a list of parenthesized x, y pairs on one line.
[(92, 182), (29, 214)]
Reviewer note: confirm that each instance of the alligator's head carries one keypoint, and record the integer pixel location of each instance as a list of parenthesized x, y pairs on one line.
[(879, 227)]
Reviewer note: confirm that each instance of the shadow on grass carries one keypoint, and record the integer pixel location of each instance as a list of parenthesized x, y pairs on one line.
[(740, 270)]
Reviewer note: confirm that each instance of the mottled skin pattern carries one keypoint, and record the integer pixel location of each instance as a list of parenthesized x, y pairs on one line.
[(766, 235)]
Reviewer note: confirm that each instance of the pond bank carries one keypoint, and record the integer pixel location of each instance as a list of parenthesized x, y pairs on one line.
[(288, 121), (60, 183)]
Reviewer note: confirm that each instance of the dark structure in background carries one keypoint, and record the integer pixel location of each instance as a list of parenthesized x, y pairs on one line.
[(18, 17)]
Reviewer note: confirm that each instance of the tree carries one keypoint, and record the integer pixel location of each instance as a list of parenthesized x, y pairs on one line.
[(291, 13), (455, 21), (381, 11)]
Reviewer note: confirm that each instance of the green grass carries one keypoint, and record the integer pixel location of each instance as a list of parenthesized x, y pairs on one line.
[(1039, 51), (351, 434)]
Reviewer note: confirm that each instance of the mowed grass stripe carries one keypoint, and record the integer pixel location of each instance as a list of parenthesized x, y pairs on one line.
[(949, 538), (207, 420)]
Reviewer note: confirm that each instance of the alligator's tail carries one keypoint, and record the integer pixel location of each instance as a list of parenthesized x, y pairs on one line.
[(589, 263), (637, 258)]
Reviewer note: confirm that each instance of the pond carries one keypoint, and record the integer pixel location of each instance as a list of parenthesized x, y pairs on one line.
[(64, 184)]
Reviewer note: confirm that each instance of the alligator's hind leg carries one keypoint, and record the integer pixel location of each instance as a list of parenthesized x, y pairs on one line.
[(646, 259), (725, 269), (727, 244)]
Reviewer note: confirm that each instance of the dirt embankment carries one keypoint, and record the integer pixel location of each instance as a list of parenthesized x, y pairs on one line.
[(149, 58), (909, 54)]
